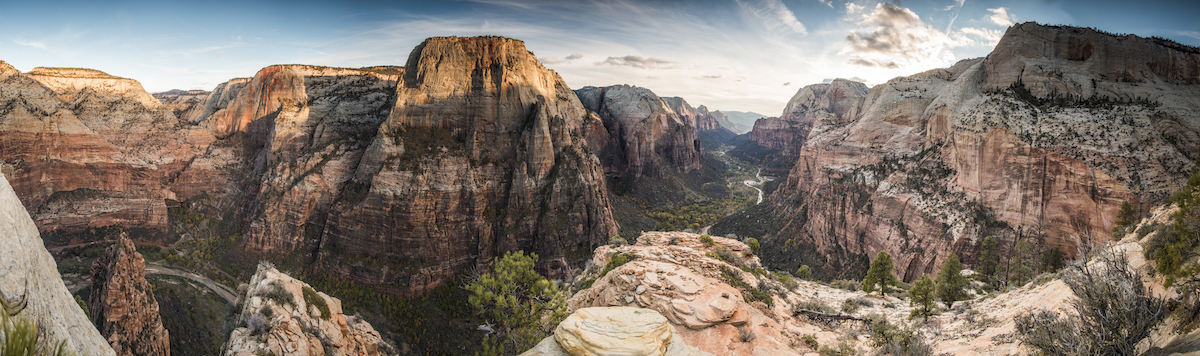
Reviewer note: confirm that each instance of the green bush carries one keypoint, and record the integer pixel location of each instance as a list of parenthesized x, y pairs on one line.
[(893, 340), (815, 305), (804, 272), (524, 305), (19, 337), (276, 292), (845, 284), (750, 293), (615, 260), (707, 240), (312, 298), (851, 305), (787, 280), (727, 255), (810, 341), (922, 298), (753, 243)]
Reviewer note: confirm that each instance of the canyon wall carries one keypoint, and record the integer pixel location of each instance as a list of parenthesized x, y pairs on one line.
[(1042, 140), (122, 303)]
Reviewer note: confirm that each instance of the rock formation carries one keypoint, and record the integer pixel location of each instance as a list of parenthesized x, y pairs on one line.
[(30, 286), (614, 331), (1042, 140), (122, 303), (86, 149), (832, 104), (645, 136), (286, 317)]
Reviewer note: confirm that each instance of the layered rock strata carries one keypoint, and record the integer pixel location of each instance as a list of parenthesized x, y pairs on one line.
[(1042, 140), (644, 136), (30, 286), (122, 303), (614, 331), (286, 317), (830, 104)]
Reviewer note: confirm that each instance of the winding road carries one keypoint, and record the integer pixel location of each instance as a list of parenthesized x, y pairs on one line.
[(754, 184), (223, 291)]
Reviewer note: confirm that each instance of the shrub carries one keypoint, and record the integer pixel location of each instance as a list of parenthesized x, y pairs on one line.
[(707, 240), (727, 255), (804, 272), (750, 293), (312, 298), (524, 305), (787, 281), (846, 284), (851, 305), (19, 337), (753, 243), (815, 305), (617, 241), (616, 260), (1052, 259), (257, 324), (880, 274), (810, 341), (277, 293), (892, 340), (745, 334), (1113, 312)]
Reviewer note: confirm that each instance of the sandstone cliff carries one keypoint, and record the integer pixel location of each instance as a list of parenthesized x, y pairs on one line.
[(30, 285), (286, 317), (645, 136), (122, 303), (86, 149), (614, 331), (1037, 141), (831, 104)]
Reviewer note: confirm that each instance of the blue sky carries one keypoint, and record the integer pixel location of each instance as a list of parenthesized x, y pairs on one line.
[(746, 55)]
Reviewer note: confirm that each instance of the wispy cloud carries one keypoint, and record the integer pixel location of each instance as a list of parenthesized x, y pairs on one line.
[(38, 45), (1001, 17), (556, 60), (639, 62), (774, 14)]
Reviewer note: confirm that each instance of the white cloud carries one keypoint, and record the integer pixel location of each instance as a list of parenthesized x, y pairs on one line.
[(774, 14), (639, 62), (574, 56), (1001, 17), (897, 37), (39, 45), (852, 8), (990, 37)]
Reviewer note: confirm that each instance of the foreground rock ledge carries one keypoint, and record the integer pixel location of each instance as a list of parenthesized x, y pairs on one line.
[(614, 331)]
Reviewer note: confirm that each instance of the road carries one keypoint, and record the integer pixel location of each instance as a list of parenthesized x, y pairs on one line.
[(225, 292), (754, 184)]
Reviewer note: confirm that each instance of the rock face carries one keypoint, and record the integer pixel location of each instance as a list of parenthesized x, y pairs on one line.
[(286, 317), (828, 104), (614, 331), (645, 136), (123, 305), (1038, 141), (30, 284), (86, 149), (677, 275)]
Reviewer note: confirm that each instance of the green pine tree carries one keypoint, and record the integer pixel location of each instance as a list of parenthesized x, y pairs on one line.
[(950, 282), (922, 298), (524, 305), (1126, 216), (880, 274), (988, 259)]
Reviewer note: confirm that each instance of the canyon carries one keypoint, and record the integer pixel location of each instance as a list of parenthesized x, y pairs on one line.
[(1041, 141)]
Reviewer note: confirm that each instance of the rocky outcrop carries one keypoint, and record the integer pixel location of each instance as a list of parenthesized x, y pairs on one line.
[(614, 331), (831, 104), (1037, 141), (30, 285), (645, 136), (122, 303), (286, 317), (184, 103), (728, 123), (86, 149)]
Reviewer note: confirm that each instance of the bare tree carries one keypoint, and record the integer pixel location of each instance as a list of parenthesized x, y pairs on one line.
[(1113, 311)]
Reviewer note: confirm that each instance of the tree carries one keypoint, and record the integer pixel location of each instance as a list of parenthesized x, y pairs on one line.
[(524, 305), (988, 259), (1052, 259), (880, 274), (1021, 265), (753, 243), (922, 298), (1113, 312), (1126, 216), (804, 272), (950, 282)]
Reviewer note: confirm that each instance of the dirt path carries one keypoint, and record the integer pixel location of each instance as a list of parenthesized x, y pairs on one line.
[(225, 292)]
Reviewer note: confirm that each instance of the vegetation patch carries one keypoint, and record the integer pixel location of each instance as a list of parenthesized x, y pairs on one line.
[(312, 298)]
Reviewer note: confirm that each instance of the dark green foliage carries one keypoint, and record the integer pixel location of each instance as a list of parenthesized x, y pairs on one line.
[(816, 305), (750, 293), (922, 298), (1113, 313), (880, 274), (1126, 216), (846, 284), (893, 340), (278, 294), (1021, 266), (707, 240), (804, 272), (19, 337), (193, 315), (753, 243), (312, 298), (524, 305), (851, 305), (950, 282), (989, 260), (725, 254), (616, 260), (1052, 259)]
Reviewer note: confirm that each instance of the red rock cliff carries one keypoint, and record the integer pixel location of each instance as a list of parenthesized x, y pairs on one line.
[(122, 303)]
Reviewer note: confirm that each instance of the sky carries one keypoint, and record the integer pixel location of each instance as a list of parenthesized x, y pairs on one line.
[(742, 55)]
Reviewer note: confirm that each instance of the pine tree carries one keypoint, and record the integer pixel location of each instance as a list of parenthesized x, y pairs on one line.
[(988, 259), (1126, 215), (950, 282), (880, 274), (1021, 265), (922, 298), (524, 305)]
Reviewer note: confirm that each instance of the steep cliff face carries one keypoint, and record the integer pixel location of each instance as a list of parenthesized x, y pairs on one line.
[(830, 104), (184, 103), (484, 151), (645, 136), (286, 317), (1042, 145), (123, 305), (30, 284), (87, 149)]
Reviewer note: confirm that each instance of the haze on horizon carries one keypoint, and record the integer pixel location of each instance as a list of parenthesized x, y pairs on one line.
[(744, 55)]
